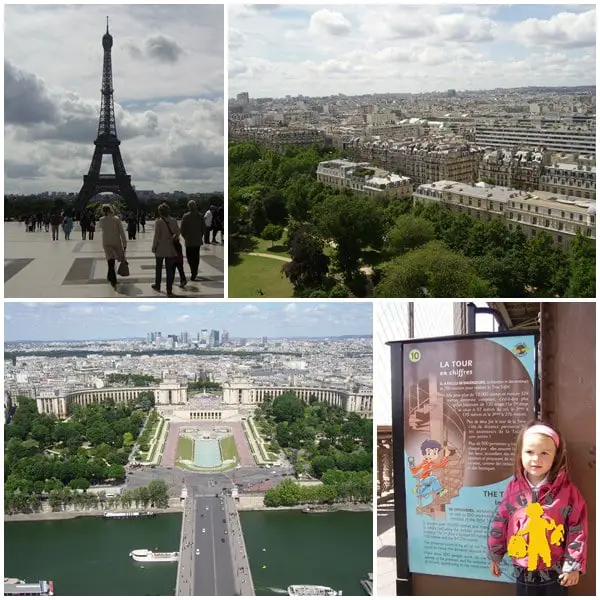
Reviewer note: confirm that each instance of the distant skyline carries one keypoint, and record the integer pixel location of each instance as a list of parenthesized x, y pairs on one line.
[(322, 50), (168, 77), (96, 321)]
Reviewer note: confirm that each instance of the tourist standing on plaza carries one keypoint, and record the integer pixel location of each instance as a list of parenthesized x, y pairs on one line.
[(166, 248), (84, 222), (91, 224), (192, 231), (208, 221), (67, 225), (55, 222), (113, 241), (541, 522), (132, 225)]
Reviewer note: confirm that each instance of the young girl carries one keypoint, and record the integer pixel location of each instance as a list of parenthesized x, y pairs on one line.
[(541, 522)]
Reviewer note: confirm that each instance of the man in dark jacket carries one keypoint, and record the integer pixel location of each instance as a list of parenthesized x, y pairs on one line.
[(192, 231)]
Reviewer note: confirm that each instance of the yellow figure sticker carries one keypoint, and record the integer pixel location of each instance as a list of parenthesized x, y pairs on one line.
[(538, 546)]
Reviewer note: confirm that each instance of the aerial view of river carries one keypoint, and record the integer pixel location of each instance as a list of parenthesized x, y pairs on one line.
[(89, 556), (290, 547)]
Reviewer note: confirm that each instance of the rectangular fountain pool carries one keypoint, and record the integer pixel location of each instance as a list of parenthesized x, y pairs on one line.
[(207, 453)]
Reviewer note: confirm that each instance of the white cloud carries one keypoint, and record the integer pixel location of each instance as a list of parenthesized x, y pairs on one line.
[(402, 48), (329, 22), (146, 307), (249, 309), (289, 309), (182, 319), (566, 29)]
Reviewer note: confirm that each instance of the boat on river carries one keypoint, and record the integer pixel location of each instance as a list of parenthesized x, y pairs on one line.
[(150, 556), (18, 587), (312, 590), (310, 510), (128, 515)]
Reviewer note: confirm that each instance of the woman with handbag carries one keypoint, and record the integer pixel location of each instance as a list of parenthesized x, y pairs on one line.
[(166, 247), (114, 241)]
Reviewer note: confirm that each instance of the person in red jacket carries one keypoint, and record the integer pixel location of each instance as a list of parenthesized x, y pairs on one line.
[(541, 523)]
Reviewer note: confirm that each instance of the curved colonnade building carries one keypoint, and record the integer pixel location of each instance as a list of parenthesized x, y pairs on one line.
[(238, 398)]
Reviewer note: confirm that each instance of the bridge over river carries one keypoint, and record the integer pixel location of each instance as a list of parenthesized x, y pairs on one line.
[(212, 526)]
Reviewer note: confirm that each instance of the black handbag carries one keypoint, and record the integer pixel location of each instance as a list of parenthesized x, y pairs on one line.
[(123, 269), (176, 243)]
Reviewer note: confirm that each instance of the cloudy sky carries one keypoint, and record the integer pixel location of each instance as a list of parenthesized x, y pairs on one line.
[(168, 75), (55, 321), (324, 50)]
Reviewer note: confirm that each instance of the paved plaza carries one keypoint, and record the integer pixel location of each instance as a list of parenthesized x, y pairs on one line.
[(37, 267)]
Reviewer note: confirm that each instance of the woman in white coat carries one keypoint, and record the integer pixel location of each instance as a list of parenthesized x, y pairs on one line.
[(114, 241)]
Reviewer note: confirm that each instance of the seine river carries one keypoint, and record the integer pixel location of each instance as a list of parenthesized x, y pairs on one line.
[(90, 556)]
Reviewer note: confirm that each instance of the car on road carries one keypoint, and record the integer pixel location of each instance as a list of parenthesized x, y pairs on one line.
[(197, 551), (226, 532), (203, 530)]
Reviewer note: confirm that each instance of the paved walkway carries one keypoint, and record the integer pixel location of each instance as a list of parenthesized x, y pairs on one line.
[(275, 256), (37, 267), (386, 550)]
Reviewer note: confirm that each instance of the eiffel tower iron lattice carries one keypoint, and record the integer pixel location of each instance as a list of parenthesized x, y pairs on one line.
[(107, 142)]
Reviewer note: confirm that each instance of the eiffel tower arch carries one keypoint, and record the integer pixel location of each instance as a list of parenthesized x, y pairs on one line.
[(107, 143)]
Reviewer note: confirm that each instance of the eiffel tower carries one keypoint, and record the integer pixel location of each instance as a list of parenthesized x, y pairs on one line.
[(107, 143)]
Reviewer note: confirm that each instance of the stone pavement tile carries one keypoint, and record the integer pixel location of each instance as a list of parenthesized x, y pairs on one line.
[(35, 266)]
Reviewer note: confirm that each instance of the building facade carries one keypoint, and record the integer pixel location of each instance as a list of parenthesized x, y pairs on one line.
[(553, 137), (560, 216), (247, 394), (363, 178), (421, 161), (576, 180), (165, 393), (520, 169)]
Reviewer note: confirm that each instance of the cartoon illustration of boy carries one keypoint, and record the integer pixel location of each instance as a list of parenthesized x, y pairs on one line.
[(427, 483)]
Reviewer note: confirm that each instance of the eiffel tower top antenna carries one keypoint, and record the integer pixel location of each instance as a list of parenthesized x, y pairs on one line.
[(106, 24)]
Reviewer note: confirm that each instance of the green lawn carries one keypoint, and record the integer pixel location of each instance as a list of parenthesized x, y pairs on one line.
[(228, 449), (255, 273), (185, 449)]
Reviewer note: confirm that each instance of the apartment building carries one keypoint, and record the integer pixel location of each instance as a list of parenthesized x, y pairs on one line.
[(520, 169), (421, 161), (278, 138), (568, 179), (560, 216), (558, 138), (363, 178)]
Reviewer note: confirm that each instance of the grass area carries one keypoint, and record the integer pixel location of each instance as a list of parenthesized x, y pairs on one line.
[(254, 273), (228, 449), (185, 449)]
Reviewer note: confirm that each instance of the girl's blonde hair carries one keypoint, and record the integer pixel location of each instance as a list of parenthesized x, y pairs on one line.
[(560, 458)]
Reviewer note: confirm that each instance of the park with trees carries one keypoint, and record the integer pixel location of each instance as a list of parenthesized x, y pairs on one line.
[(322, 443), (338, 243), (49, 459)]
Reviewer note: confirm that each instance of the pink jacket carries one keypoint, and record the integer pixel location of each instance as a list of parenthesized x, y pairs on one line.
[(561, 502)]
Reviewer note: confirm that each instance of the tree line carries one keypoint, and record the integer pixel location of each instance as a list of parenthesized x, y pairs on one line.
[(44, 454), (345, 244), (321, 440), (154, 495), (16, 208)]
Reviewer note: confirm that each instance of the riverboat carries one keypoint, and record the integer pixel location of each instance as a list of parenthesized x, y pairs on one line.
[(312, 590), (150, 556), (17, 587), (309, 510), (128, 515)]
